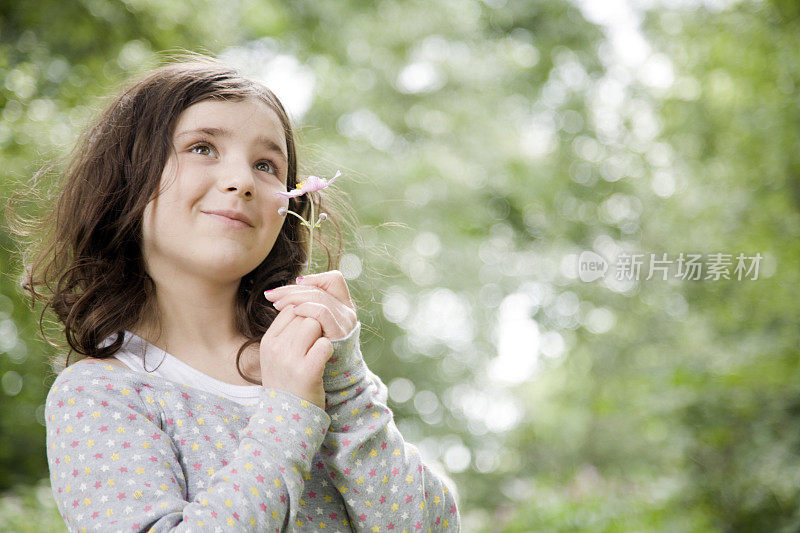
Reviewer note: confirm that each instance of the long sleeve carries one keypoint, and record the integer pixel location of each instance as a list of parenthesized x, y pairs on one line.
[(382, 479), (114, 468)]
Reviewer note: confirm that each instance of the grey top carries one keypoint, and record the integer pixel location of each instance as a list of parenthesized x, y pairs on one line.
[(130, 451)]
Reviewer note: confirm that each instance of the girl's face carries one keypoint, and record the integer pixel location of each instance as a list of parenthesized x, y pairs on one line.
[(229, 156)]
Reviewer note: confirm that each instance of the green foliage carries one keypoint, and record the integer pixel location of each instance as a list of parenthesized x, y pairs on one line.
[(482, 147), (30, 509)]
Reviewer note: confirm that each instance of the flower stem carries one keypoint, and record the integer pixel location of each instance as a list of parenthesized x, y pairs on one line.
[(305, 222), (311, 238), (311, 226)]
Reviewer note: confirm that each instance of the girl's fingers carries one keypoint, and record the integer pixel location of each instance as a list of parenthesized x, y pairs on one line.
[(318, 355), (341, 296), (316, 296), (337, 318), (331, 328), (287, 290), (291, 294), (302, 333), (331, 282), (280, 322)]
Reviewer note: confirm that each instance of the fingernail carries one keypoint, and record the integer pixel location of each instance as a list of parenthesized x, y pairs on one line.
[(300, 278)]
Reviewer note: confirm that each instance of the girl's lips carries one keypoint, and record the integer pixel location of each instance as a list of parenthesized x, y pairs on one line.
[(230, 222)]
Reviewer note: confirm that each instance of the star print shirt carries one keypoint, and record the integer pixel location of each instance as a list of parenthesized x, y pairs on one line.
[(130, 451)]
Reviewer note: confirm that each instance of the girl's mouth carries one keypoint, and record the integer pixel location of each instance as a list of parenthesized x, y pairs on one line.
[(230, 222)]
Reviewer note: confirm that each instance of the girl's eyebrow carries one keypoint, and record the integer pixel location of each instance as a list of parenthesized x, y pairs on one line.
[(222, 132)]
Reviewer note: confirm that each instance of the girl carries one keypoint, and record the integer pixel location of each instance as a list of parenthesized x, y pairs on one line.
[(202, 402)]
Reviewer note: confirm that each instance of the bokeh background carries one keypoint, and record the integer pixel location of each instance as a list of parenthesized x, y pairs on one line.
[(484, 145)]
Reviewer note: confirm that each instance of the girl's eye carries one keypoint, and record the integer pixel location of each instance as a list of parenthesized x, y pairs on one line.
[(202, 149), (264, 166)]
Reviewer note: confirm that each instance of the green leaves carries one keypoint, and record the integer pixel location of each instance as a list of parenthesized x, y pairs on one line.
[(514, 137)]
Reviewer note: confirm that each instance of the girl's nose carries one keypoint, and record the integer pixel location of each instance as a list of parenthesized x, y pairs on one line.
[(238, 177)]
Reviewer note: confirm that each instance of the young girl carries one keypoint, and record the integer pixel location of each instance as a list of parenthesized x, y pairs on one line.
[(202, 402)]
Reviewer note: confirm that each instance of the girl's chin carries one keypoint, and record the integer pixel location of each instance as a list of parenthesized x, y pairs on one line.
[(225, 267)]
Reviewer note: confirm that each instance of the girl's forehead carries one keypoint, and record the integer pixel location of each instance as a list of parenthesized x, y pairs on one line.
[(230, 115), (232, 110)]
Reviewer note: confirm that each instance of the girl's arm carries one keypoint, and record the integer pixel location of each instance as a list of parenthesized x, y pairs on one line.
[(113, 467), (381, 478)]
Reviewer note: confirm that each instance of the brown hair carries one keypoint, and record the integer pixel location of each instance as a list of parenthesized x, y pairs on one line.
[(86, 252)]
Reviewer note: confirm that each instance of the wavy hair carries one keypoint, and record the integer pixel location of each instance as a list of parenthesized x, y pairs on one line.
[(85, 259)]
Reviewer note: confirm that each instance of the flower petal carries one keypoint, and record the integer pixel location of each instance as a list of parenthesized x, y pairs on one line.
[(311, 184), (295, 193), (338, 173)]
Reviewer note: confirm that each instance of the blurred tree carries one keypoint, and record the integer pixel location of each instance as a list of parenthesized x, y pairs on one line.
[(737, 137), (681, 416), (483, 146)]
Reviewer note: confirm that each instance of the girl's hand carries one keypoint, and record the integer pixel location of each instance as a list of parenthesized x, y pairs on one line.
[(323, 297), (293, 355)]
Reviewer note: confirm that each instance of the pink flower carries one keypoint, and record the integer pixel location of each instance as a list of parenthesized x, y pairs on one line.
[(311, 184)]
